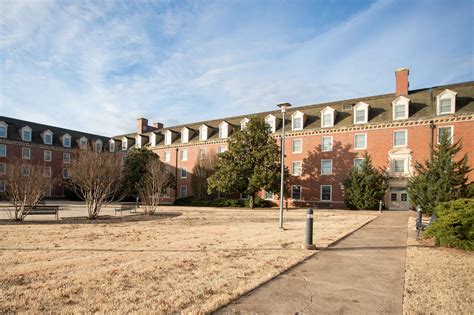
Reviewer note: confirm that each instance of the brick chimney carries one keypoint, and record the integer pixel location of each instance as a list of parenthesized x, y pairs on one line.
[(142, 125), (157, 125), (401, 77)]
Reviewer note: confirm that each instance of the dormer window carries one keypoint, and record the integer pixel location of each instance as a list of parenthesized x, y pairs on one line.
[(361, 113), (203, 133), (3, 129), (168, 137), (98, 145), (138, 141), (271, 122), (297, 120), (184, 135), (223, 130), (153, 139), (446, 102), (328, 115), (66, 140), (26, 134), (243, 123), (83, 143), (124, 144), (400, 108), (48, 137), (111, 145)]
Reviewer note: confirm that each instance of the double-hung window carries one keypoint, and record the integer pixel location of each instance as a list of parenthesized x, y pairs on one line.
[(3, 150), (399, 138), (326, 144), (326, 167), (166, 156), (296, 192), (449, 130), (297, 146), (48, 156), (183, 192), (326, 193), (297, 168), (26, 153), (360, 141), (184, 172), (184, 155)]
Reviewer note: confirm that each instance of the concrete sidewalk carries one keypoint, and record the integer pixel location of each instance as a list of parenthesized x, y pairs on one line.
[(362, 274)]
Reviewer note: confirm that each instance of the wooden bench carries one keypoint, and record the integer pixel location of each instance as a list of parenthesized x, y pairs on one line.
[(43, 209), (124, 208)]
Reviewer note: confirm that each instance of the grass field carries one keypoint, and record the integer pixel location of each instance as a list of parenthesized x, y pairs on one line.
[(195, 262)]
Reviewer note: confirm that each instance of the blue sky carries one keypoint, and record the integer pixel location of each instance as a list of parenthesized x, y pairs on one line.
[(98, 66)]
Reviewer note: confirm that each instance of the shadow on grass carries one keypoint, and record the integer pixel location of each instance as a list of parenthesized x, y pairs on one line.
[(106, 219)]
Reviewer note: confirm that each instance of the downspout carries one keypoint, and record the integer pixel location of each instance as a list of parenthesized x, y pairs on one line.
[(176, 176), (432, 125)]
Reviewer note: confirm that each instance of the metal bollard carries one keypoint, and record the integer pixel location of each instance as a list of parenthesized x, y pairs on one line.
[(380, 206), (419, 218), (309, 230)]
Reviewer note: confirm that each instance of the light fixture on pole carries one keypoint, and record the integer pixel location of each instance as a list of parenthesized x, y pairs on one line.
[(283, 108)]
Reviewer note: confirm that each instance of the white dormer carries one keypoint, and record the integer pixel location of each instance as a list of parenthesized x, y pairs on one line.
[(47, 137), (83, 143), (153, 139), (446, 102), (203, 132), (271, 121), (138, 141), (98, 145), (297, 120), (361, 113), (66, 140), (112, 145), (224, 130), (124, 143), (400, 108), (3, 129), (168, 137), (185, 135), (328, 117), (26, 133), (243, 123)]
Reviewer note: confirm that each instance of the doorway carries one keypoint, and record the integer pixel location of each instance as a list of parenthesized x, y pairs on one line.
[(398, 199)]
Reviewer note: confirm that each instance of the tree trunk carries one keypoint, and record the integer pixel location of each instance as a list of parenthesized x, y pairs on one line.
[(251, 200)]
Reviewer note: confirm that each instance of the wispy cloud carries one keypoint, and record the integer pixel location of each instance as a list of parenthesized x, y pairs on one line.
[(97, 66)]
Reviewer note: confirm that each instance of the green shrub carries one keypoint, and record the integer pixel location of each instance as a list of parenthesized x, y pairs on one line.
[(233, 203), (257, 203), (455, 224)]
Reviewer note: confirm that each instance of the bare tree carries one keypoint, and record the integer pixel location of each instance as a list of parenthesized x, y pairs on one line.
[(95, 176), (202, 170), (152, 187), (27, 185)]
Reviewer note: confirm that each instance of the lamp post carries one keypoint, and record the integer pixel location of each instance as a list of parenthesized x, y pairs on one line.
[(283, 108)]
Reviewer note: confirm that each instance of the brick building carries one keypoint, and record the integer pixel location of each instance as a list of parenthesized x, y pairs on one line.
[(323, 141)]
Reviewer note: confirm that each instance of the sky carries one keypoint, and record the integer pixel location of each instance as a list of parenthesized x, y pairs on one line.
[(97, 66)]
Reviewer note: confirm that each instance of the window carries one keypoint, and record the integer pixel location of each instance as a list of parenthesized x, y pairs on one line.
[(124, 144), (183, 192), (403, 197), (26, 134), (26, 153), (269, 195), (399, 165), (361, 113), (66, 158), (393, 197), (48, 156), (449, 130), (358, 162), (47, 192), (297, 168), (184, 135), (184, 172), (243, 123), (202, 153), (297, 146), (326, 144), (400, 107), (65, 173), (400, 138), (168, 137), (326, 192), (445, 106), (296, 192), (66, 141), (47, 171), (184, 155), (25, 170), (3, 129), (98, 145), (3, 186), (326, 167), (223, 130), (83, 143), (297, 120), (3, 168), (166, 156), (271, 122), (446, 102), (400, 112), (221, 149), (112, 146), (48, 137), (360, 141), (327, 117), (3, 150), (203, 133)]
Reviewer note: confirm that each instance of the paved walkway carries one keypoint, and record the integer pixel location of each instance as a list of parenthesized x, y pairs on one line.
[(362, 274)]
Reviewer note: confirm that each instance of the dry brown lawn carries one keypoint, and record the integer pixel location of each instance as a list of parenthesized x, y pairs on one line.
[(193, 263), (437, 280)]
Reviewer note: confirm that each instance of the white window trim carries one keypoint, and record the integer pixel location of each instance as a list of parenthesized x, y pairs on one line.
[(405, 165), (365, 142), (112, 146), (301, 146), (49, 133), (321, 193), (184, 154), (50, 155), (223, 130), (181, 191), (5, 146), (444, 127), (167, 156), (203, 133), (4, 168), (184, 135), (66, 136), (297, 114), (124, 144), (271, 121), (101, 145), (5, 125), (301, 192), (23, 133), (202, 156), (357, 158), (68, 175), (4, 186), (183, 168), (406, 138), (80, 143), (64, 160), (325, 160), (222, 149), (401, 100), (49, 174), (168, 137), (332, 112), (271, 198), (322, 143), (29, 153), (442, 96), (365, 107), (293, 167), (243, 123)]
